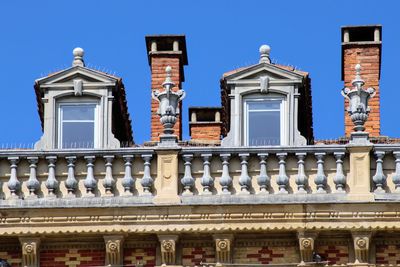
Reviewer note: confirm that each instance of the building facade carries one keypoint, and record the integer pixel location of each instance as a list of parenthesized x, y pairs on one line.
[(252, 187)]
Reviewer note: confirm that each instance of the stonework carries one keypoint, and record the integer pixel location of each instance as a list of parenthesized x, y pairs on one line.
[(145, 257)]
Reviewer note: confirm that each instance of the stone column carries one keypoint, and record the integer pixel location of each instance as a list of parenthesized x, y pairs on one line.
[(362, 241), (114, 250), (30, 251), (306, 245), (359, 178), (224, 247), (166, 184), (168, 248)]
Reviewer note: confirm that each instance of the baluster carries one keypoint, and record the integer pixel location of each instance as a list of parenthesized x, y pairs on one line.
[(263, 179), (187, 180), (128, 181), (109, 181), (339, 179), (71, 183), (320, 179), (90, 182), (13, 183), (301, 179), (147, 180), (282, 180), (379, 178), (51, 182), (226, 180), (244, 179), (396, 176), (206, 181), (32, 184)]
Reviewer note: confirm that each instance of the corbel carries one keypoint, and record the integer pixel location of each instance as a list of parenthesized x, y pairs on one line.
[(224, 247), (362, 242), (114, 250), (306, 245), (30, 251), (168, 248)]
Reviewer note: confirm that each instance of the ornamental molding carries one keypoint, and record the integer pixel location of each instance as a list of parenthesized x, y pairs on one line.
[(196, 243), (140, 244), (331, 242), (386, 241), (71, 245), (264, 243)]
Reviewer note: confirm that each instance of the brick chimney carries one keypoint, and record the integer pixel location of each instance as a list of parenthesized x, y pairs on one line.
[(164, 50), (362, 45), (205, 125)]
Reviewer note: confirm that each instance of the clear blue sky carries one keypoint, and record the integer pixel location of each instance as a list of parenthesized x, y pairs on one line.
[(37, 37)]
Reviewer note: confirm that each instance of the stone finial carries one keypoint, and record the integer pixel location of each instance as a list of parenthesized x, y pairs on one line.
[(168, 84), (264, 54), (78, 57)]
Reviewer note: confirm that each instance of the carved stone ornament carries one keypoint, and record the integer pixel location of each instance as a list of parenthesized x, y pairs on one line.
[(168, 248), (306, 244), (223, 244), (30, 248), (361, 247), (113, 246)]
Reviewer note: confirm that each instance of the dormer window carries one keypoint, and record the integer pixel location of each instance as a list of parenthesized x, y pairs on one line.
[(78, 124), (264, 123)]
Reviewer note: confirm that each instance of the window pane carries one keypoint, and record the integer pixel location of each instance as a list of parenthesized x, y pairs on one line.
[(78, 135), (264, 105), (75, 112), (264, 128)]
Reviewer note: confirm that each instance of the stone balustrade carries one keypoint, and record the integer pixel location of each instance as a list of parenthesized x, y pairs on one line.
[(200, 174), (312, 170)]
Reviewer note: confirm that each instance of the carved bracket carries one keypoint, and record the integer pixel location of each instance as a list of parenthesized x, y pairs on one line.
[(362, 242), (224, 247), (306, 244), (114, 249), (30, 251), (168, 248)]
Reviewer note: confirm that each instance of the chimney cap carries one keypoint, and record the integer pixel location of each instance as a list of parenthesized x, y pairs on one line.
[(165, 45)]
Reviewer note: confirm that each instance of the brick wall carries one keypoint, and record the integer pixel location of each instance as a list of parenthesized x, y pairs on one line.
[(206, 131), (387, 254), (335, 254), (158, 74), (266, 254), (369, 58), (192, 256), (72, 257), (144, 256), (13, 256)]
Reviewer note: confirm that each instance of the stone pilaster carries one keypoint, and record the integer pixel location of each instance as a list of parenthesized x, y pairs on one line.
[(359, 177), (306, 245), (114, 250), (166, 183), (168, 248), (30, 251), (362, 241), (224, 248)]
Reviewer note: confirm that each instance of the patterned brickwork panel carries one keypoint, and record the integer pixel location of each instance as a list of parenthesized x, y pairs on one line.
[(335, 254), (266, 255), (72, 258), (195, 255), (13, 256), (146, 257), (388, 254)]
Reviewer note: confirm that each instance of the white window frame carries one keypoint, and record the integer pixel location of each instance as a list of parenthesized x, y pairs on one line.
[(283, 119), (96, 122)]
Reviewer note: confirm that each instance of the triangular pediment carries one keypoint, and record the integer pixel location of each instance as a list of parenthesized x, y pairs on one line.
[(77, 72), (264, 70)]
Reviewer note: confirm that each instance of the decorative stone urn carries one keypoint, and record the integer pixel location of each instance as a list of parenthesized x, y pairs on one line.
[(168, 109), (358, 106)]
